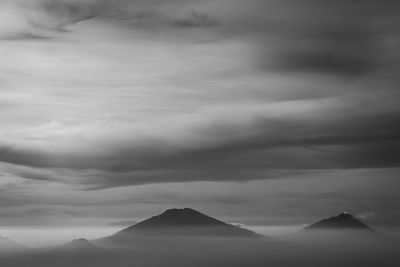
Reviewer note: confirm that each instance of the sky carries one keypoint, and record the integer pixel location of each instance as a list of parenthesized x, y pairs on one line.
[(259, 112)]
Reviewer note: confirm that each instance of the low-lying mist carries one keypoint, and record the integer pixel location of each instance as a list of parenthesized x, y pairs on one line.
[(35, 237), (305, 248)]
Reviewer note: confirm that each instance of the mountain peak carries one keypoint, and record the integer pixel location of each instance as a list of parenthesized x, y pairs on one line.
[(185, 221), (345, 216), (342, 221), (181, 212), (185, 217)]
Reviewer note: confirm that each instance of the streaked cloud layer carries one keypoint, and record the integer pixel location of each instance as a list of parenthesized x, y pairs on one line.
[(103, 94)]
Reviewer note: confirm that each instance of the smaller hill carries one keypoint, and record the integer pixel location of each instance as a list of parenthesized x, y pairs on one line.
[(80, 244), (344, 221)]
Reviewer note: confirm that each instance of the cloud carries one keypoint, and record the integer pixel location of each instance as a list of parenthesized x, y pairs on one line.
[(340, 38), (196, 20), (210, 147), (36, 19), (153, 91), (41, 18), (333, 38)]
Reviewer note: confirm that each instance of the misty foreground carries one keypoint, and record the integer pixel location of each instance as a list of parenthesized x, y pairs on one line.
[(188, 238)]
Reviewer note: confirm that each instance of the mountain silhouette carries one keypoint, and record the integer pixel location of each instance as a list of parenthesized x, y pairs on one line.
[(185, 222), (80, 244), (344, 221)]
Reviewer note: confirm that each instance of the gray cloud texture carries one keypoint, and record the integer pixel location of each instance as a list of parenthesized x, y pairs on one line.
[(316, 90)]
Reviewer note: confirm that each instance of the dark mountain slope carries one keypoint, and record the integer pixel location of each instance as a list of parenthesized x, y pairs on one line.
[(343, 221), (185, 222)]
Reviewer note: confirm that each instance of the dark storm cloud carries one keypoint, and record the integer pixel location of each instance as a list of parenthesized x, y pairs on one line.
[(332, 37)]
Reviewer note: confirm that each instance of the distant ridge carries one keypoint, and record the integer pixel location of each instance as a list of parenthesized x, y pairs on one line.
[(343, 221), (185, 222), (80, 244), (7, 245), (124, 223)]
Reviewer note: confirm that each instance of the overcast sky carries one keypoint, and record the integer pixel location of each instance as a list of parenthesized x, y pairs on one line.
[(256, 111)]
